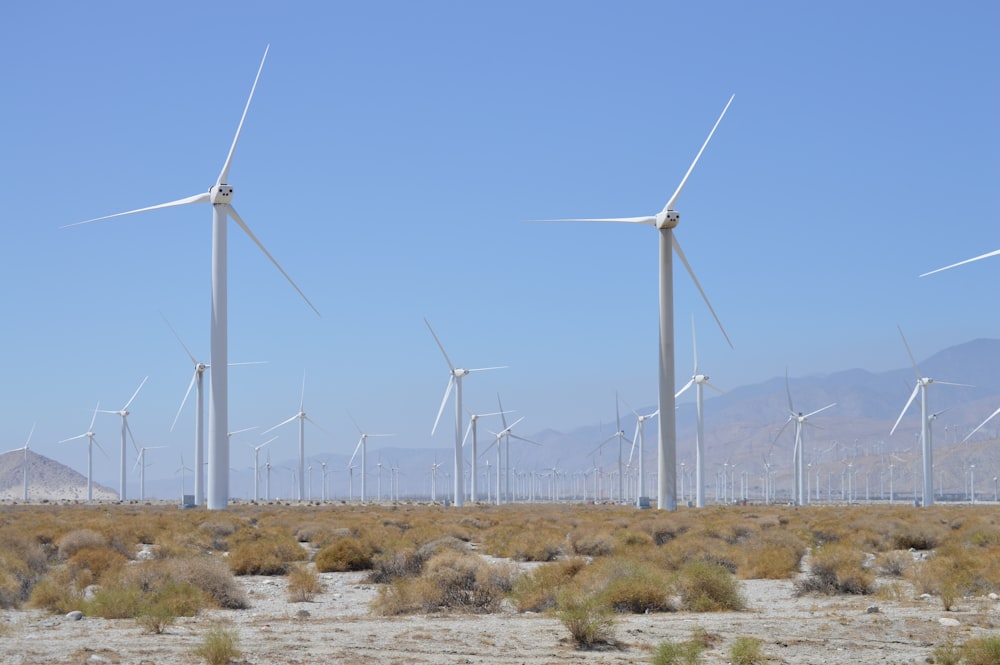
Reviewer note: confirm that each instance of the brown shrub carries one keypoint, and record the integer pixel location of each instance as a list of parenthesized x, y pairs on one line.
[(77, 540), (345, 554), (836, 569), (707, 587)]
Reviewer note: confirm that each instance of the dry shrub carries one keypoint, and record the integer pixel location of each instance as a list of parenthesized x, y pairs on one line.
[(893, 564), (770, 555), (389, 566), (99, 560), (836, 569), (537, 591), (663, 531), (628, 585), (208, 574), (515, 541), (22, 563), (265, 553), (699, 547), (953, 572), (590, 543), (219, 646), (590, 622), (303, 584), (56, 593), (916, 537), (709, 587), (747, 651), (345, 554), (982, 651), (79, 539)]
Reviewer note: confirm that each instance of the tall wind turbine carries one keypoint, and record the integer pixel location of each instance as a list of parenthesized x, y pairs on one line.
[(799, 419), (499, 441), (363, 447), (126, 430), (454, 381), (507, 434), (91, 440), (927, 451), (24, 466), (638, 439), (219, 195), (474, 471), (665, 221), (698, 380), (302, 418)]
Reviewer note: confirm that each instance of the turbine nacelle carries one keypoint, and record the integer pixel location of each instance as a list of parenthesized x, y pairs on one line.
[(221, 193), (667, 219), (458, 372)]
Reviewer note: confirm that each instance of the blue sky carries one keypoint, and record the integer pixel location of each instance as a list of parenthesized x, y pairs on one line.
[(390, 158)]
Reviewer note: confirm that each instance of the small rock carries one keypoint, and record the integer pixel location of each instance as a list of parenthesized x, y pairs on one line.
[(872, 609), (993, 596), (926, 596), (75, 615), (948, 621), (303, 614)]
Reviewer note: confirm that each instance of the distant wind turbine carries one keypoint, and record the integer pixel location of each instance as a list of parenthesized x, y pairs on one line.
[(256, 467), (24, 466), (124, 413), (454, 381), (363, 447), (925, 422), (91, 440), (473, 419), (665, 221), (699, 380), (140, 463), (507, 435), (799, 419), (620, 435), (638, 439), (302, 418), (219, 195)]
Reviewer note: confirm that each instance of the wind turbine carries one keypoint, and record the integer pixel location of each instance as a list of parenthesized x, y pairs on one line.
[(140, 463), (181, 471), (799, 419), (199, 419), (620, 435), (24, 467), (639, 437), (507, 433), (91, 440), (124, 413), (302, 418), (256, 467), (363, 447), (473, 418), (498, 442), (454, 381), (925, 422), (698, 380), (219, 195), (665, 221)]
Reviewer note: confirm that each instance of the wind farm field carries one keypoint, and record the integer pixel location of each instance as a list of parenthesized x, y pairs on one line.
[(423, 583)]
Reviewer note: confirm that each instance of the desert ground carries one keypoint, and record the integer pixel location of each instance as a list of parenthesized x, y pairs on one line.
[(338, 626)]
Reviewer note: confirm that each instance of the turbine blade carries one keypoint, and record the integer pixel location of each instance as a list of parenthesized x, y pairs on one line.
[(356, 449), (818, 410), (909, 352), (283, 422), (440, 345), (673, 199), (194, 378), (447, 394), (302, 400), (948, 383), (183, 345), (646, 219), (317, 425), (224, 174), (467, 431), (694, 343), (94, 419), (483, 369), (131, 436), (788, 389), (913, 395), (129, 402), (246, 229), (635, 439), (680, 254), (991, 416), (686, 386), (962, 263), (81, 436), (197, 198), (356, 425), (503, 417)]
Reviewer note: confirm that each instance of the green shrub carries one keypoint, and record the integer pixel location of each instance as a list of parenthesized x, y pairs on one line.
[(626, 584), (219, 646), (345, 554), (982, 651), (589, 622), (265, 554), (678, 653), (747, 651), (115, 602), (537, 591), (708, 587), (303, 584)]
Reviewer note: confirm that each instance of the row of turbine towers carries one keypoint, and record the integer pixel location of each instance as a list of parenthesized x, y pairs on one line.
[(220, 194)]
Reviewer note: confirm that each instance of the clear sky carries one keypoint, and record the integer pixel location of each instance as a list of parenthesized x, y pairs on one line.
[(390, 158)]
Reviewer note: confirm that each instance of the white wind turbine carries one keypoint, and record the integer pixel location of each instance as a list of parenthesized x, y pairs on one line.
[(256, 467), (219, 195), (140, 463), (91, 440), (126, 430), (473, 419), (506, 435), (498, 442), (181, 471), (799, 419), (698, 380), (620, 435), (24, 466), (665, 221), (363, 447), (302, 418), (925, 421), (639, 439), (454, 381)]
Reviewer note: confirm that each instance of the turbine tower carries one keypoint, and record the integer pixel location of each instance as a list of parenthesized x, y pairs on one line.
[(698, 380), (124, 413), (665, 221), (638, 438), (800, 419), (926, 449), (474, 470), (219, 195), (302, 418), (454, 381), (24, 466), (363, 447), (91, 440)]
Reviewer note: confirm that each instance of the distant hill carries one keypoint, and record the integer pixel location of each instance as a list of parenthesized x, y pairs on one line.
[(47, 480)]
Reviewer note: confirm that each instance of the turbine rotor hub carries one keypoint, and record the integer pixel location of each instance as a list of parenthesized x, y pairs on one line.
[(220, 193), (668, 219)]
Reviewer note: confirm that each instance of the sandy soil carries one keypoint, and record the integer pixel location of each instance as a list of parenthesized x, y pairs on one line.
[(337, 627)]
